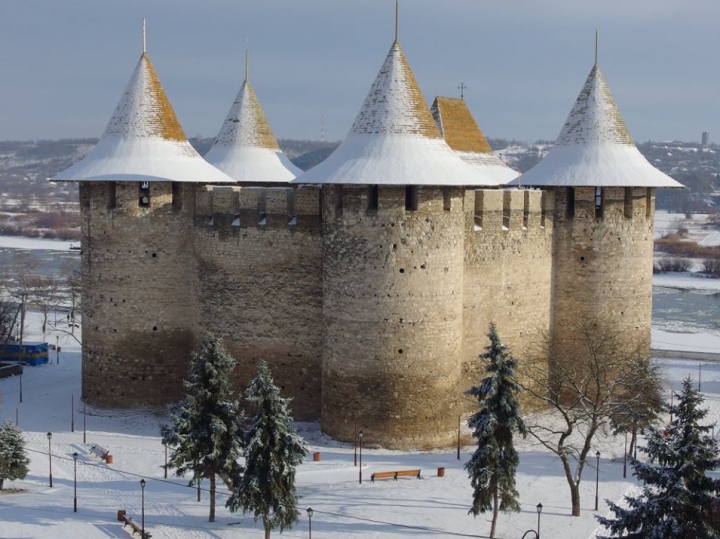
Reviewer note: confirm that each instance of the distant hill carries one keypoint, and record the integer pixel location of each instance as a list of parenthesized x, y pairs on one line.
[(25, 167)]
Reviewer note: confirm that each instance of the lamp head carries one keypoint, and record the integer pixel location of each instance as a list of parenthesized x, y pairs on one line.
[(75, 455), (597, 454), (539, 508), (310, 512), (142, 483), (360, 433), (49, 435)]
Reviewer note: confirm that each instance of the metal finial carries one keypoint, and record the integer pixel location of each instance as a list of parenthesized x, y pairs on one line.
[(144, 37), (596, 46), (247, 63), (397, 18)]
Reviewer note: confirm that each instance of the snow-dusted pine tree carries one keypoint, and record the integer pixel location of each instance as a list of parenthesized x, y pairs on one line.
[(13, 458), (678, 499), (206, 435), (272, 452), (493, 465)]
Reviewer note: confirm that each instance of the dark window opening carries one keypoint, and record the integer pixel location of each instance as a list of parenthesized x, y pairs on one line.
[(526, 208), (144, 194), (112, 196), (447, 199), (411, 198), (339, 201), (373, 199), (570, 195), (649, 202), (176, 196), (628, 202), (598, 202)]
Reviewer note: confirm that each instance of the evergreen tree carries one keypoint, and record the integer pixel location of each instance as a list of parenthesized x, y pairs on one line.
[(493, 465), (206, 435), (272, 452), (13, 458), (678, 499)]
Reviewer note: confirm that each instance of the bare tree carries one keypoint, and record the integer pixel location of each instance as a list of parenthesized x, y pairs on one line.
[(581, 395)]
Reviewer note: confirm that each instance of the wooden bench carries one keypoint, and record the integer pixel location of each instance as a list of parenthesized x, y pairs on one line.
[(395, 474), (135, 527), (100, 452)]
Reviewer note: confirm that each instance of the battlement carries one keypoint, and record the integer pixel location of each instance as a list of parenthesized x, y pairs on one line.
[(496, 210), (605, 203), (344, 201), (262, 207)]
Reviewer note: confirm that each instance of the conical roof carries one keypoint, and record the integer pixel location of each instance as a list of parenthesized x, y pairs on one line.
[(394, 140), (462, 134), (246, 149), (595, 147), (143, 140)]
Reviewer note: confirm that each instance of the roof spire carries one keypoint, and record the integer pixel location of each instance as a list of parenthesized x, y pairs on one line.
[(247, 63), (397, 18), (144, 37), (596, 46)]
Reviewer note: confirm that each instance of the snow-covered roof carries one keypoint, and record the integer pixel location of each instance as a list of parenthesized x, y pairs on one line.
[(595, 147), (394, 140), (246, 149), (143, 140), (462, 134)]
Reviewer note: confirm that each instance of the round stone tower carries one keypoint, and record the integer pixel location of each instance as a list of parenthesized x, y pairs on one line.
[(138, 273), (393, 264), (604, 192)]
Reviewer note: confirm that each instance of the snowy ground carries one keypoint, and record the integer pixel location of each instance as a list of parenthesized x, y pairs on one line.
[(432, 506)]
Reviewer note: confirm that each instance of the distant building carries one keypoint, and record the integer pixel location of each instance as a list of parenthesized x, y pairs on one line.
[(705, 138)]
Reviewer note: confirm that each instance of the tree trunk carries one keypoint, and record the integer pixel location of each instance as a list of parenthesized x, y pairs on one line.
[(575, 497), (212, 497), (266, 524), (2, 482), (495, 513), (633, 441)]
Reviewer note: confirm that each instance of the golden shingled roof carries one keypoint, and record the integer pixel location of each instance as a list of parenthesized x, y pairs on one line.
[(458, 126), (162, 116)]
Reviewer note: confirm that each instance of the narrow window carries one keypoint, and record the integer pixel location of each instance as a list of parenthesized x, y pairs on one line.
[(373, 199), (542, 208), (598, 202), (526, 208), (339, 201), (447, 199), (112, 195), (411, 198), (570, 195), (628, 202), (144, 194), (649, 202), (176, 196)]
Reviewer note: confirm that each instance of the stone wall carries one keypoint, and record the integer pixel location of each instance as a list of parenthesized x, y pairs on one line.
[(508, 273), (392, 305), (602, 264), (138, 279), (259, 255)]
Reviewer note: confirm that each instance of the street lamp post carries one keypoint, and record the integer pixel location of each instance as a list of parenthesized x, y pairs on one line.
[(142, 517), (360, 436), (75, 457), (597, 478), (355, 436), (49, 437), (165, 444), (625, 459), (310, 514), (538, 507)]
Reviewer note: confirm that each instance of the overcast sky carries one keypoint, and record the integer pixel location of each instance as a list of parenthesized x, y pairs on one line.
[(65, 63)]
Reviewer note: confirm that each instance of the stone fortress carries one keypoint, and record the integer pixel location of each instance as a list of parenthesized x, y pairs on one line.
[(367, 283)]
